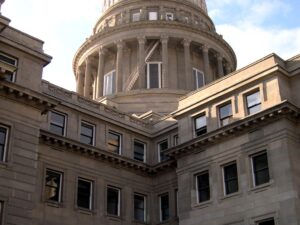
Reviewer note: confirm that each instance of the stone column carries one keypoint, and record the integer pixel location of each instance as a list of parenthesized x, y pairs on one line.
[(208, 77), (87, 79), (80, 84), (165, 62), (227, 68), (141, 62), (1, 2), (119, 68), (220, 65), (100, 73), (187, 64)]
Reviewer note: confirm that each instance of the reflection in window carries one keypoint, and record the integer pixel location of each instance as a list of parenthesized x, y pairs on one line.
[(53, 185), (200, 125), (225, 113), (87, 133), (109, 83), (199, 78), (253, 103), (57, 123), (114, 142)]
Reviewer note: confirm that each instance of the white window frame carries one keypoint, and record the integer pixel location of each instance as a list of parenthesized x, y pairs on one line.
[(120, 138), (93, 130), (65, 121), (136, 17), (160, 206), (119, 199), (219, 113), (91, 192), (60, 182), (197, 72), (14, 65), (159, 73), (105, 83), (159, 148), (197, 190), (145, 148), (194, 123), (169, 16), (5, 143), (223, 175), (247, 104), (145, 206), (252, 167), (153, 15)]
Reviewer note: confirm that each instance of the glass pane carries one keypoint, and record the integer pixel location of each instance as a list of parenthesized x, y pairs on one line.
[(203, 187), (52, 189), (152, 15), (163, 145), (254, 109), (57, 119), (231, 186), (225, 111), (139, 151), (57, 129), (2, 153), (262, 177), (253, 99), (83, 194), (164, 201), (261, 170), (260, 162), (139, 205), (135, 17), (200, 122), (2, 136), (154, 75), (269, 222), (8, 60), (86, 140), (87, 129), (230, 172), (200, 79), (113, 201)]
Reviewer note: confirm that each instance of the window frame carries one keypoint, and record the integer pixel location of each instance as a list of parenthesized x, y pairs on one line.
[(58, 125), (160, 207), (5, 144), (145, 150), (175, 140), (145, 207), (136, 16), (253, 171), (208, 188), (60, 189), (265, 220), (201, 128), (159, 74), (119, 200), (111, 73), (221, 119), (225, 191), (93, 132), (91, 202), (15, 65), (159, 149), (255, 105), (152, 13), (169, 16), (120, 141), (196, 77)]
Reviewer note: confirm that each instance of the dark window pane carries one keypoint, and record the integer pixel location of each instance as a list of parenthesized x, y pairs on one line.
[(269, 222), (53, 183), (87, 134), (57, 123), (139, 151), (84, 194), (164, 207), (139, 208), (57, 118), (230, 179), (163, 146), (57, 129), (113, 201), (154, 75), (203, 187), (253, 99), (8, 60), (261, 169)]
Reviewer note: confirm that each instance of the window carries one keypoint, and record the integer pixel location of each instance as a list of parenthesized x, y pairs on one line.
[(109, 83), (161, 147), (164, 207), (9, 66), (267, 222), (53, 187), (225, 113), (3, 143), (84, 194), (1, 211), (153, 15), (199, 78), (175, 140), (139, 151), (202, 187), (230, 177), (57, 123), (253, 103), (169, 16), (136, 17), (154, 75), (139, 208), (260, 169), (114, 142), (200, 125), (113, 201), (87, 133)]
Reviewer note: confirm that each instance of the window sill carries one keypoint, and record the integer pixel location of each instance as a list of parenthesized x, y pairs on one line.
[(85, 211), (137, 222), (203, 204), (233, 195), (262, 187), (3, 164), (54, 204), (114, 217)]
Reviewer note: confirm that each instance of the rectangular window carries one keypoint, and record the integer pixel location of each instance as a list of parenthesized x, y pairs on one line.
[(1, 211), (114, 142), (3, 143), (230, 179), (109, 83), (164, 207), (57, 123), (113, 201), (53, 187), (87, 133), (161, 147), (136, 17), (200, 125), (225, 113), (84, 194), (139, 208), (267, 222), (139, 151), (203, 187), (8, 65), (260, 169), (253, 103), (175, 140), (169, 16), (154, 75), (153, 15), (199, 78)]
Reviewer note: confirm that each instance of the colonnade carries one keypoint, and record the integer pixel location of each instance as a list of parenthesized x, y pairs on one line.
[(85, 76)]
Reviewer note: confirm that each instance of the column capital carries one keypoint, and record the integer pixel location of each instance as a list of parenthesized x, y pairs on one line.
[(219, 56), (120, 44), (186, 42), (164, 39), (102, 51), (141, 39), (205, 48), (88, 60)]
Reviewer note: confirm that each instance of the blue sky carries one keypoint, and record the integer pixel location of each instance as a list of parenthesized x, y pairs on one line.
[(254, 28)]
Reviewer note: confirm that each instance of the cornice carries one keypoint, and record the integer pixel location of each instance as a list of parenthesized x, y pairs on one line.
[(27, 97), (115, 160), (284, 109)]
